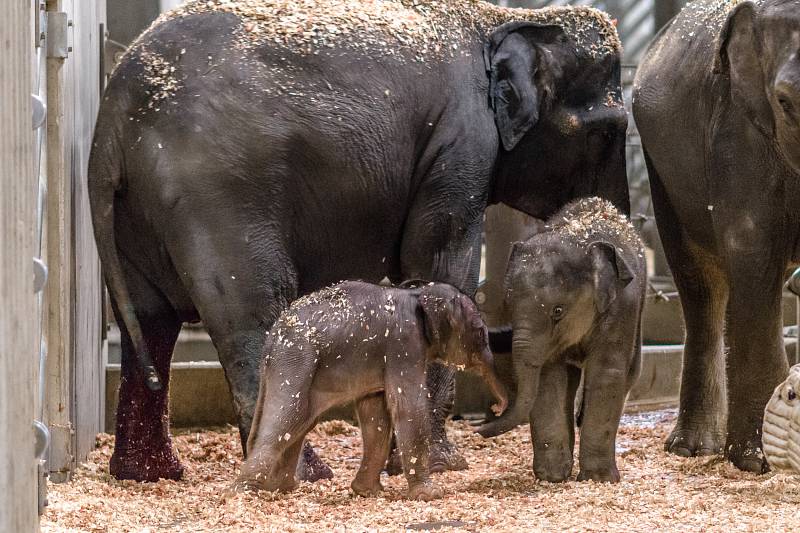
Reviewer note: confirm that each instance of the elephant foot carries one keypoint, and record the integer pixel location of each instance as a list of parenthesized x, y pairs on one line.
[(287, 484), (602, 475), (747, 456), (310, 467), (445, 456), (425, 492), (366, 489), (147, 465), (689, 440), (552, 470)]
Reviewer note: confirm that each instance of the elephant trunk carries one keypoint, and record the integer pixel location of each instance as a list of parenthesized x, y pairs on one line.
[(496, 386), (526, 376)]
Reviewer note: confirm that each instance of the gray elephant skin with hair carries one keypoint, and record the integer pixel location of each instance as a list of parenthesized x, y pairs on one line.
[(249, 152), (717, 104), (360, 342), (575, 295)]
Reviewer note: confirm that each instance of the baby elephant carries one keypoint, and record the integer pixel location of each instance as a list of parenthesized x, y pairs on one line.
[(369, 344), (575, 295)]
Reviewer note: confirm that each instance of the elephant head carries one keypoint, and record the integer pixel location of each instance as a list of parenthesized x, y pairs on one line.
[(758, 57), (557, 103), (457, 335), (555, 291)]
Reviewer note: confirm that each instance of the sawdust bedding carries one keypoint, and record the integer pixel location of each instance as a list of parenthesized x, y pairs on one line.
[(659, 492)]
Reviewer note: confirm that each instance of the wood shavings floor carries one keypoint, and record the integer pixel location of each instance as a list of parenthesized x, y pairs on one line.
[(659, 492)]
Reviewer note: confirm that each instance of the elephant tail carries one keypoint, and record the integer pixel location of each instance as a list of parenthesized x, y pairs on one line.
[(105, 179)]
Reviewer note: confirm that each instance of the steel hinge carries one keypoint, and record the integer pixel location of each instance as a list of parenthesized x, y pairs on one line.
[(58, 26)]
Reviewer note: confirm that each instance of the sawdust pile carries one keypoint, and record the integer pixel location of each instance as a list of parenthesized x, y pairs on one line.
[(658, 492)]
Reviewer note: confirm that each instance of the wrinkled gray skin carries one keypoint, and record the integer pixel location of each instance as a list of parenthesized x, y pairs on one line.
[(573, 307), (234, 198), (373, 349), (717, 103)]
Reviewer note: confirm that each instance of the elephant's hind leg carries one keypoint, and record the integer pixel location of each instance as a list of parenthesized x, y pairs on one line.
[(376, 432), (757, 358), (143, 448)]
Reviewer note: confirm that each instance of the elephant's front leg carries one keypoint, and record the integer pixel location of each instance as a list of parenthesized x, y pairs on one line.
[(408, 405), (553, 422), (757, 358), (606, 383), (438, 251)]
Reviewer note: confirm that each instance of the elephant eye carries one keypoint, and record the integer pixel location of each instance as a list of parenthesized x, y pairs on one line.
[(557, 312), (791, 395)]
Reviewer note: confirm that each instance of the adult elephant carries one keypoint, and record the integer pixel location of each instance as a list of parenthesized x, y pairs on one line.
[(717, 103), (251, 151)]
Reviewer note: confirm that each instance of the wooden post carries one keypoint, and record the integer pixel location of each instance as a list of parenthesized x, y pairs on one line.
[(73, 297), (18, 346)]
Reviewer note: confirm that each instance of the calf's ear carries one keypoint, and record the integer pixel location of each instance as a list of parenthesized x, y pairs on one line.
[(437, 312), (612, 273)]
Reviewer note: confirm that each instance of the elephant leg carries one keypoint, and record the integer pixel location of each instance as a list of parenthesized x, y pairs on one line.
[(700, 428), (757, 358), (553, 422), (239, 301), (448, 250), (279, 438), (441, 382), (143, 447), (606, 385), (408, 408), (376, 432)]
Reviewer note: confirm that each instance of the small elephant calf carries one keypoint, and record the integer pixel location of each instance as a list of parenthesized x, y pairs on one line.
[(575, 294), (369, 344)]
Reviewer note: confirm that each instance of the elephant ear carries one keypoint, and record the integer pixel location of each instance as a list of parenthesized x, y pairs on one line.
[(437, 311), (739, 58), (612, 273), (511, 56), (514, 260)]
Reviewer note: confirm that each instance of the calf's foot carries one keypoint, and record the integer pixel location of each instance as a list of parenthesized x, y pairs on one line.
[(145, 465), (365, 488), (608, 474), (424, 492), (552, 467), (310, 467)]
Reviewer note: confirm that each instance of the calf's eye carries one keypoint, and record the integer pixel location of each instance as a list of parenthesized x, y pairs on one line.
[(557, 312), (791, 395)]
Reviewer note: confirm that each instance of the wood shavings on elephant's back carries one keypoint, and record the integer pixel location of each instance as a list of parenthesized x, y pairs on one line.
[(585, 219), (704, 14), (407, 29)]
